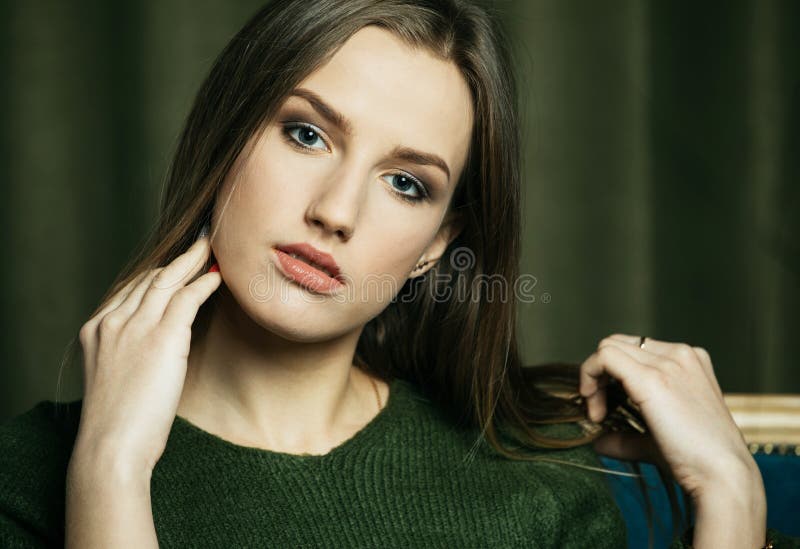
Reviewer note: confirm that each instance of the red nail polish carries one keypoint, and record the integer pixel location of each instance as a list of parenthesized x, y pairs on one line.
[(214, 268)]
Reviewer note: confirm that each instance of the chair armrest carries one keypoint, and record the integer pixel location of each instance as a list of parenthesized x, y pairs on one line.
[(770, 423)]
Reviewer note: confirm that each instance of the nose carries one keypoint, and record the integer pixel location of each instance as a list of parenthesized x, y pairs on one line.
[(335, 206)]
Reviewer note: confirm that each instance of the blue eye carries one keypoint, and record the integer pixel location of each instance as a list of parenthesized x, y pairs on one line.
[(308, 134), (405, 182)]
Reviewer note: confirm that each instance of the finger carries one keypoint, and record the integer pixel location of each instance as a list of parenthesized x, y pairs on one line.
[(678, 352), (597, 404), (173, 278), (135, 296), (611, 360), (185, 265), (708, 368), (88, 332), (594, 388), (658, 347), (118, 297), (639, 354), (183, 306)]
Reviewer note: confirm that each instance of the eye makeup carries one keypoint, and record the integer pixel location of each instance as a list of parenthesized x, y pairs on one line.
[(290, 127)]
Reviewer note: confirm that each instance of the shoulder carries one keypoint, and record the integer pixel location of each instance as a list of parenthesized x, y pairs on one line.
[(44, 433), (575, 486), (35, 448), (564, 491), (562, 496)]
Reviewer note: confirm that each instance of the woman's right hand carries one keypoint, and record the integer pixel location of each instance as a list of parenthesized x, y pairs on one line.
[(135, 358)]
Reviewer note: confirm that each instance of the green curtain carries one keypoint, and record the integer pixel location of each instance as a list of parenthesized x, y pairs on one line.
[(662, 180), (661, 173)]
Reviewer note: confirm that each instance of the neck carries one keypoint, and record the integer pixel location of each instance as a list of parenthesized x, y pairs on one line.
[(245, 383)]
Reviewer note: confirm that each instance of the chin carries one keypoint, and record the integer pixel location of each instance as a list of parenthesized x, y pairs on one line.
[(294, 314)]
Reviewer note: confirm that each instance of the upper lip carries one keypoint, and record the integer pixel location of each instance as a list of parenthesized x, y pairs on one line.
[(313, 254)]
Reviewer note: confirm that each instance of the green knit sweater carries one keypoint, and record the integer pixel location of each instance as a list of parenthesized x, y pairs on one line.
[(409, 478)]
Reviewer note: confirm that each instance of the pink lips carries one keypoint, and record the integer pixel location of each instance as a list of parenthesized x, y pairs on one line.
[(304, 273)]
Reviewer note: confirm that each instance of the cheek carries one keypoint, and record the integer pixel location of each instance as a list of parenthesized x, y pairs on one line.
[(264, 192), (247, 214), (394, 248), (388, 255)]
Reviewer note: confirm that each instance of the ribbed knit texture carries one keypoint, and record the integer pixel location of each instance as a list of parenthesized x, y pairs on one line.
[(409, 478)]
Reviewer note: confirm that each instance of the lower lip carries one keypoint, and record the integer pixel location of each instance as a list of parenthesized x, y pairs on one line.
[(306, 275)]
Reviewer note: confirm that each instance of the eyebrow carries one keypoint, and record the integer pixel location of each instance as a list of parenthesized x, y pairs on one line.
[(345, 126)]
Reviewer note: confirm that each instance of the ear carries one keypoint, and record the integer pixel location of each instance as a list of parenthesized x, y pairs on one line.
[(451, 227)]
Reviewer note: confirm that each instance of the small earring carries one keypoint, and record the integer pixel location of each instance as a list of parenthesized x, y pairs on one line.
[(421, 264)]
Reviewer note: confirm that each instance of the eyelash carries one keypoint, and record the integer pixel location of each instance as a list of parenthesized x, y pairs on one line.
[(418, 184)]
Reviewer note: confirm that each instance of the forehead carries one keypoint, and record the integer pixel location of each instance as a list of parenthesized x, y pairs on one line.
[(397, 94)]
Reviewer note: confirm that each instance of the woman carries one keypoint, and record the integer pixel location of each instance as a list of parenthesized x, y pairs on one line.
[(353, 169)]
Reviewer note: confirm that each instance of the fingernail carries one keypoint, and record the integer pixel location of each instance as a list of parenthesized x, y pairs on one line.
[(203, 231), (214, 268)]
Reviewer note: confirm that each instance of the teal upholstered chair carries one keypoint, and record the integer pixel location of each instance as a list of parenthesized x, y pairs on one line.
[(771, 426)]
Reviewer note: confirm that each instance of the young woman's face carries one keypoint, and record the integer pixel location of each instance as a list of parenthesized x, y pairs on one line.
[(356, 192)]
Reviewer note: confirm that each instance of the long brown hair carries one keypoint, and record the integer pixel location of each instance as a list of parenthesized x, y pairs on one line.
[(462, 352)]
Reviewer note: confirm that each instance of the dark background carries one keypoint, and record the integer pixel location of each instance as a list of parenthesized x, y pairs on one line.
[(661, 172)]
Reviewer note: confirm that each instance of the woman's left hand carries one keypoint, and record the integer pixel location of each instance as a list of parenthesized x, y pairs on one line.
[(691, 431)]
